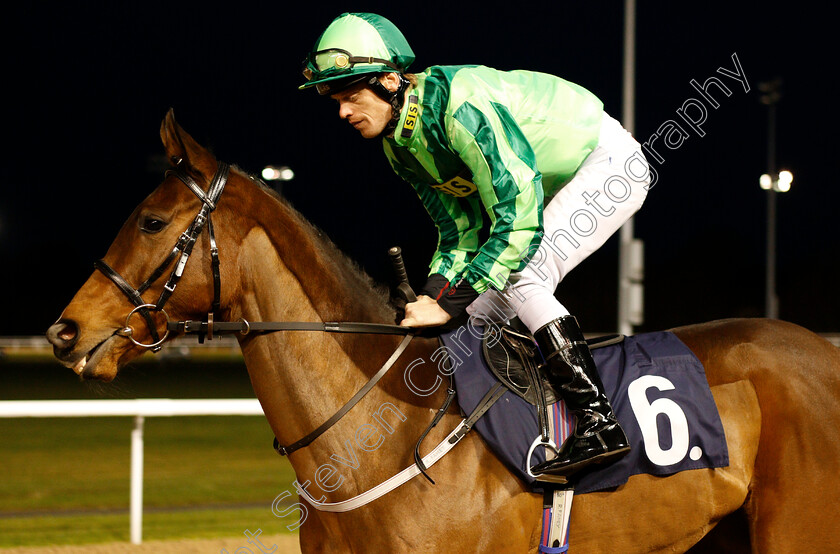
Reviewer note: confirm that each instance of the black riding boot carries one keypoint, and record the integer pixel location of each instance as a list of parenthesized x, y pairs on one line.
[(570, 369)]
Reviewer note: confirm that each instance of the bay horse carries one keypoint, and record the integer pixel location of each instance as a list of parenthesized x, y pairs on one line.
[(776, 385)]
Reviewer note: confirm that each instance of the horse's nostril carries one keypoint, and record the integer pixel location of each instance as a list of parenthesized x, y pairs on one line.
[(64, 333)]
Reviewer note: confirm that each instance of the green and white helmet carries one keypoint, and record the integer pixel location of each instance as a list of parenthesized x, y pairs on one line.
[(354, 46)]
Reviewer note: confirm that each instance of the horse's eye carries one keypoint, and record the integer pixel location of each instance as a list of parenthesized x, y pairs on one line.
[(152, 225)]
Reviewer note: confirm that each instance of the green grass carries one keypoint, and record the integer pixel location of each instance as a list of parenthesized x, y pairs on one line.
[(66, 480), (90, 529)]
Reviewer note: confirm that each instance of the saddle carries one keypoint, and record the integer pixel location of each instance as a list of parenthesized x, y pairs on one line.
[(513, 357), (644, 371)]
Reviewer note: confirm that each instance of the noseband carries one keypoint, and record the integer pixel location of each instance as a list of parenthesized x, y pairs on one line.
[(183, 247)]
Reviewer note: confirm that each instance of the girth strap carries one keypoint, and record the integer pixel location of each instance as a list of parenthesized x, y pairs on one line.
[(496, 392)]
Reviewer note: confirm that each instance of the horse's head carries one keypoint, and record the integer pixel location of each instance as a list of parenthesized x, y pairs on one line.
[(95, 335)]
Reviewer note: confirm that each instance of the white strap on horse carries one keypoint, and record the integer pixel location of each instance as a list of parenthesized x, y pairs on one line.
[(386, 486)]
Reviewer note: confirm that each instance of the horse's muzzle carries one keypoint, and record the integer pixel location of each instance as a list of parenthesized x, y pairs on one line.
[(63, 335)]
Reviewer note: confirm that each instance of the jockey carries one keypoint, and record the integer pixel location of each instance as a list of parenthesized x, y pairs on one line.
[(555, 175)]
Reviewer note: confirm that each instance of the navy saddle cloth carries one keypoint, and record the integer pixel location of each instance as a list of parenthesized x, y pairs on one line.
[(658, 390)]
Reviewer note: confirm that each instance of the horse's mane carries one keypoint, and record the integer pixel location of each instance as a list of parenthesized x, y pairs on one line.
[(341, 263)]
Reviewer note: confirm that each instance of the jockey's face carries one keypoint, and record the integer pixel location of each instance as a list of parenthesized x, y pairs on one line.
[(363, 109)]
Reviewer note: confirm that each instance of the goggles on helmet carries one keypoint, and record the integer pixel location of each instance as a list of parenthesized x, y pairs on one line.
[(334, 62)]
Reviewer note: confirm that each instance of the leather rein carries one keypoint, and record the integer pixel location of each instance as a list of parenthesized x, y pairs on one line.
[(182, 251)]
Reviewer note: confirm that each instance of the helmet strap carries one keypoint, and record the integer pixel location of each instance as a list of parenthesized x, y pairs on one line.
[(395, 98)]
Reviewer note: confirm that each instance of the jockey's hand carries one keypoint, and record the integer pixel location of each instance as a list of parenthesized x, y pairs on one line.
[(424, 313)]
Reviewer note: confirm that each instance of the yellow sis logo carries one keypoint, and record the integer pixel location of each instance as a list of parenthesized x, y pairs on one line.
[(457, 187), (411, 113), (411, 116)]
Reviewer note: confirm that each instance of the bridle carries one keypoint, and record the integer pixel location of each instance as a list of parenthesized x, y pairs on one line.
[(184, 247), (182, 250)]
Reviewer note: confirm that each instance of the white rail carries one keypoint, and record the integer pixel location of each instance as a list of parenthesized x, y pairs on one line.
[(139, 409)]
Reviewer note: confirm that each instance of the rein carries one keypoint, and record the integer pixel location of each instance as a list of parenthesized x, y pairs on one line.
[(209, 328)]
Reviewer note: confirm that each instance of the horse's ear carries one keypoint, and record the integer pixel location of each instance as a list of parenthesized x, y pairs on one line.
[(181, 148)]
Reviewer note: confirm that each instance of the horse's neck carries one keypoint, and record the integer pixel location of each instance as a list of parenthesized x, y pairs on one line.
[(334, 288), (302, 378), (299, 366)]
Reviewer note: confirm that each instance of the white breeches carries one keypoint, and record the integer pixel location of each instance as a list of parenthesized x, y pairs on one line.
[(606, 191)]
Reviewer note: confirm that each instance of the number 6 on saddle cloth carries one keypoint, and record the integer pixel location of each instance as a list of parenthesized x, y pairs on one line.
[(657, 386)]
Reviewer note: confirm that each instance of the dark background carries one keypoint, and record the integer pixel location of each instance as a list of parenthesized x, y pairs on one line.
[(86, 87)]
